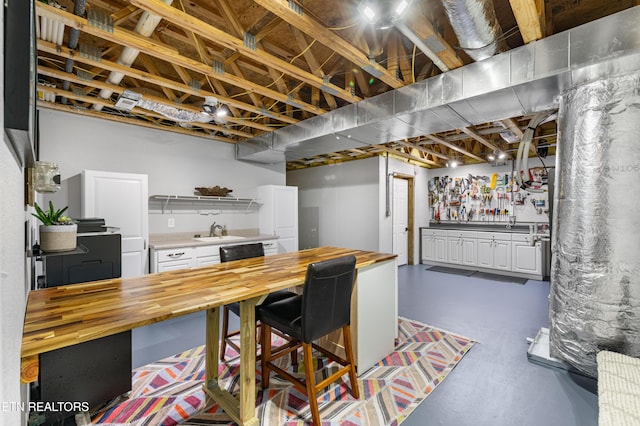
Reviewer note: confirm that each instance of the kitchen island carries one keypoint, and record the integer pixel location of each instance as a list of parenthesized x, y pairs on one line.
[(63, 316)]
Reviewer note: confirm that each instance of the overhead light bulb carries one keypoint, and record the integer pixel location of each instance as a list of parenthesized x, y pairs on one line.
[(401, 7), (491, 157), (369, 13), (221, 112), (502, 156)]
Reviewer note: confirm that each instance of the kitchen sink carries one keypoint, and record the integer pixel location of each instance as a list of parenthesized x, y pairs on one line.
[(222, 239)]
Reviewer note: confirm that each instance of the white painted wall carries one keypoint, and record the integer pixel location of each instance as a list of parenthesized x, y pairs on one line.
[(338, 204), (175, 164), (344, 204), (13, 271)]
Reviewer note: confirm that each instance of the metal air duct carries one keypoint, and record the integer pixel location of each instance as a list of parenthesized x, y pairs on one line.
[(519, 82), (595, 276), (146, 25), (476, 26), (74, 35)]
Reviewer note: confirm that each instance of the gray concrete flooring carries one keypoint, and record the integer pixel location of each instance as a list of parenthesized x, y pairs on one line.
[(494, 384)]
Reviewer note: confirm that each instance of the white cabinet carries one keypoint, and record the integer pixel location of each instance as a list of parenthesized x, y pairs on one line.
[(172, 259), (188, 257), (121, 199), (526, 257), (279, 215), (494, 250), (462, 247), (434, 245)]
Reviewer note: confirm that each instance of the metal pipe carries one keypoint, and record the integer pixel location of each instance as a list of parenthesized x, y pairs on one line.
[(476, 26)]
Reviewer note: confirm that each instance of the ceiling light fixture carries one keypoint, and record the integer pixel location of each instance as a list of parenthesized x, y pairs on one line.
[(502, 155), (383, 12), (212, 107), (491, 157)]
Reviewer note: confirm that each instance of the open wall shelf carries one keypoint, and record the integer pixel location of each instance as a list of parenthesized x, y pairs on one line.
[(192, 200)]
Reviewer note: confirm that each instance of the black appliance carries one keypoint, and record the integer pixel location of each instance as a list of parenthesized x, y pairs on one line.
[(97, 371)]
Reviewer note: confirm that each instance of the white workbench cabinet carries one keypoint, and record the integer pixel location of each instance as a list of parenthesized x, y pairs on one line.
[(434, 245), (494, 250), (527, 257), (462, 247)]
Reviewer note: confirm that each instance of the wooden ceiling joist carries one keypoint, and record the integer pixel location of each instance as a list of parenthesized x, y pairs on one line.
[(474, 135), (50, 72), (529, 18), (218, 36), (305, 23), (165, 53), (65, 52), (455, 148)]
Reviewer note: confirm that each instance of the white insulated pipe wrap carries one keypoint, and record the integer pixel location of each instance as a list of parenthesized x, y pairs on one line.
[(595, 271)]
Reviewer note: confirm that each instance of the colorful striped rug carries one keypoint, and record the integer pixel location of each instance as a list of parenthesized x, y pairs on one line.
[(169, 392)]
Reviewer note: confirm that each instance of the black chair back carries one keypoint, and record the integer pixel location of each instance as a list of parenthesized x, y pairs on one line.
[(242, 251), (326, 300)]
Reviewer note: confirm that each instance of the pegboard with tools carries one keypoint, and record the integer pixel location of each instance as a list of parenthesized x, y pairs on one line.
[(492, 199)]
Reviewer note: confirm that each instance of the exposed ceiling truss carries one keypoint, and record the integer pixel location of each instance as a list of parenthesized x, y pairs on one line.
[(273, 63)]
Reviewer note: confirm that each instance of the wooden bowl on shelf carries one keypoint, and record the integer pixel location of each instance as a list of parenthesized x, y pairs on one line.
[(214, 191)]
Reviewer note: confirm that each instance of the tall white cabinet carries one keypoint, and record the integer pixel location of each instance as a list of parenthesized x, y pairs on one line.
[(279, 215), (122, 200)]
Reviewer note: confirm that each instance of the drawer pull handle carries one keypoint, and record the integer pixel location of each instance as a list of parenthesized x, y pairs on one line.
[(175, 254)]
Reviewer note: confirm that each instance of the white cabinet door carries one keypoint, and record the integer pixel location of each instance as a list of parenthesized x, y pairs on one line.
[(502, 255), (468, 246), (122, 200), (454, 249), (428, 247), (526, 258), (440, 242), (485, 252), (207, 260), (279, 215)]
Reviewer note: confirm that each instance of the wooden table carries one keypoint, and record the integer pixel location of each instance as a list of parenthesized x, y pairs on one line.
[(66, 315)]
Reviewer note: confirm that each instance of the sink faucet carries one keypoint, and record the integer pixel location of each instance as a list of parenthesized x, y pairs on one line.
[(215, 230)]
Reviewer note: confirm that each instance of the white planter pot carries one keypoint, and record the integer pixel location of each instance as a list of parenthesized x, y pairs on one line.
[(58, 237)]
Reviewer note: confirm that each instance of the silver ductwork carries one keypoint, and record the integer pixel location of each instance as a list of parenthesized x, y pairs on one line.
[(595, 276), (519, 82), (145, 26), (476, 26)]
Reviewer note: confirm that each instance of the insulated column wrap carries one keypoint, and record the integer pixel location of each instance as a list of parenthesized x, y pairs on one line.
[(595, 271)]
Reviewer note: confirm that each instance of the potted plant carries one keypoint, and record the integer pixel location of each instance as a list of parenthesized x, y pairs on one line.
[(57, 232)]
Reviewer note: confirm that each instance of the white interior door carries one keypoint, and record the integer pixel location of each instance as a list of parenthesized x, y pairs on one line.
[(122, 200), (401, 219)]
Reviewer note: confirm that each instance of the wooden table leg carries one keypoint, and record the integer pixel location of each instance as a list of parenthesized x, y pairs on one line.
[(243, 409), (212, 347), (248, 361)]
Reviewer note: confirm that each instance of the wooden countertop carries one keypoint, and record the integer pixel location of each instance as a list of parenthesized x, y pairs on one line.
[(66, 315)]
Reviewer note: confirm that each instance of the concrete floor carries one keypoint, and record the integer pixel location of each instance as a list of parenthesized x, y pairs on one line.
[(493, 385)]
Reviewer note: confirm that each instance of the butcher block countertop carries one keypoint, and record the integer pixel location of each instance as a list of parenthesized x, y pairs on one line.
[(63, 316)]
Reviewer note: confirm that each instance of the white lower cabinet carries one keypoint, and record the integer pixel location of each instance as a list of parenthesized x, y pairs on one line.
[(494, 250), (527, 257), (172, 259), (434, 246), (462, 247), (188, 257), (497, 251)]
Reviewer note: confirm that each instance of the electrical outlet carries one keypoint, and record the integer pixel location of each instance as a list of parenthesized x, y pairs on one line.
[(171, 223)]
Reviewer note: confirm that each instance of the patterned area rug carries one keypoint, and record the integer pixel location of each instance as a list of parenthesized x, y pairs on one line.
[(169, 392)]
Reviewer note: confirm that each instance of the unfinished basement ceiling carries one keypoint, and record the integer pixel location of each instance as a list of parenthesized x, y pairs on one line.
[(274, 63)]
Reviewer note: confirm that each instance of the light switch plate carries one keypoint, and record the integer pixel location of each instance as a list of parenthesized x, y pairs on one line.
[(171, 222)]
